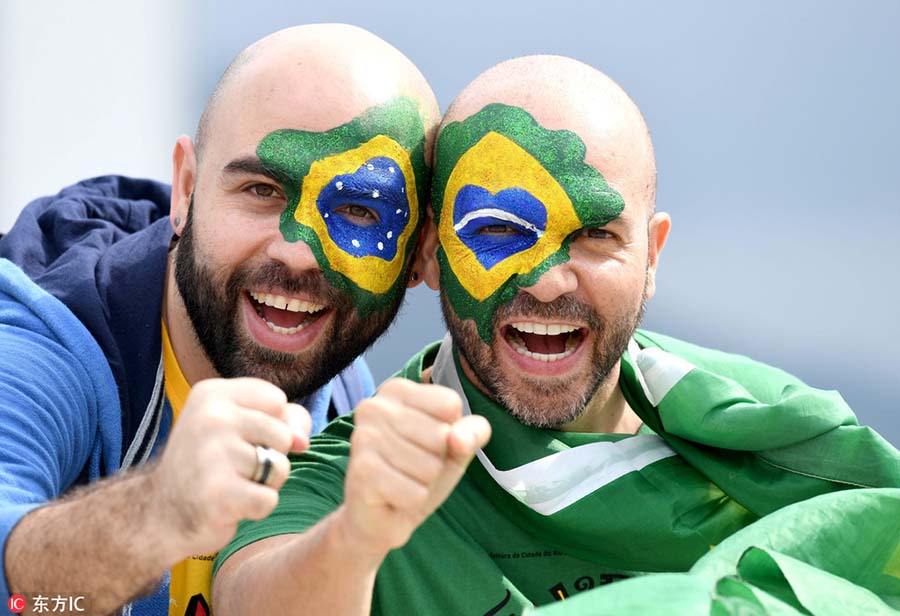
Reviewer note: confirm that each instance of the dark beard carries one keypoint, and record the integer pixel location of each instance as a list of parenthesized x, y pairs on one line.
[(543, 403), (214, 312)]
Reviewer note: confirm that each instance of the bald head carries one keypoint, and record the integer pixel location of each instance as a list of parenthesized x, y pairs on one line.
[(312, 77), (564, 94)]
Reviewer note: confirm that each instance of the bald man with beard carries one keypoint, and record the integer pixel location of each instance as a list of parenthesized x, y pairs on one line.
[(604, 452), (187, 322)]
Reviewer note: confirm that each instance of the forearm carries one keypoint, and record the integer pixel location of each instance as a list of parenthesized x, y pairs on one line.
[(322, 571), (105, 542)]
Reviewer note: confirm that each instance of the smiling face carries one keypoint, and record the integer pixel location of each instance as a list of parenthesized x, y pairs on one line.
[(544, 269), (298, 258), (299, 211)]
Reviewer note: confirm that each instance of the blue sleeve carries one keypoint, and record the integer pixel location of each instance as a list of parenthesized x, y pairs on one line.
[(55, 390), (366, 380)]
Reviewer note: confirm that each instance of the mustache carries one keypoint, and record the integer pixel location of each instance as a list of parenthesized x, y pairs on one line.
[(277, 275), (565, 308)]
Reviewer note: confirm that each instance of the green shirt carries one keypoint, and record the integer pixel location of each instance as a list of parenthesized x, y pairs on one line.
[(486, 550)]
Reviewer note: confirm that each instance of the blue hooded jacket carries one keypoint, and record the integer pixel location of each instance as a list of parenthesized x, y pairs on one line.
[(100, 248)]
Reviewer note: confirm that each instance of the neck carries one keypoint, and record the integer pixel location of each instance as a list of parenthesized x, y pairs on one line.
[(191, 359), (606, 412)]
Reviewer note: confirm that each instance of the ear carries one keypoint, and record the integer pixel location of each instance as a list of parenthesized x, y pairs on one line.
[(184, 174), (659, 227), (426, 258)]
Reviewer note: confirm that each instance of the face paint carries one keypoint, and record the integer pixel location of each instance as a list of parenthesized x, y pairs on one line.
[(509, 197), (375, 162)]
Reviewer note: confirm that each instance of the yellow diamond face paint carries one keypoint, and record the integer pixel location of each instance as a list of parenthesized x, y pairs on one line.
[(379, 175), (514, 187), (509, 197), (353, 195)]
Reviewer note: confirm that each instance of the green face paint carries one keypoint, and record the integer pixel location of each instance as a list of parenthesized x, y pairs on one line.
[(376, 161), (509, 197)]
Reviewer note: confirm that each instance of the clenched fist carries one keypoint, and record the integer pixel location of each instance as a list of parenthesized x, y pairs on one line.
[(409, 449), (204, 480)]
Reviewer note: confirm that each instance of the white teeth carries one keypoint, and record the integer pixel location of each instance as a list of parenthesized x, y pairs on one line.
[(279, 301), (545, 357), (518, 344), (285, 331), (544, 329)]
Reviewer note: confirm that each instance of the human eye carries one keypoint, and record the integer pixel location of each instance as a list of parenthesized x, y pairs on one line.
[(263, 191), (358, 214), (598, 233), (499, 229)]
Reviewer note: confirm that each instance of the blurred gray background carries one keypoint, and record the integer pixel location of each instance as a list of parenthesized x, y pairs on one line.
[(776, 128)]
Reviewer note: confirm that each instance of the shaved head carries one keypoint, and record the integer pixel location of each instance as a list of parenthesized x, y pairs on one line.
[(327, 74), (544, 191), (299, 208), (562, 93)]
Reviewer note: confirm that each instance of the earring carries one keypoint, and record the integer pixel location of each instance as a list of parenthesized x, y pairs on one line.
[(415, 275), (177, 221)]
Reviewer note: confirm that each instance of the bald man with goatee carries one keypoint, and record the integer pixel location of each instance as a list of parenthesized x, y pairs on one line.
[(604, 452), (169, 346)]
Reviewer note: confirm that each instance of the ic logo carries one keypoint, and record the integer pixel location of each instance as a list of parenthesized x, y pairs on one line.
[(16, 604)]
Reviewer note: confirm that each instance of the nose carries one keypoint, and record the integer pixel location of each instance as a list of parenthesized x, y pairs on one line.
[(555, 282), (297, 256)]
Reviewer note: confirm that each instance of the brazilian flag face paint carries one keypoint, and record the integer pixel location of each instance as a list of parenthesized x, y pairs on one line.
[(376, 161), (509, 197)]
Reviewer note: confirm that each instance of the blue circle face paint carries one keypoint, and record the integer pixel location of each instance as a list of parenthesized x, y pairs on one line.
[(496, 226), (378, 185)]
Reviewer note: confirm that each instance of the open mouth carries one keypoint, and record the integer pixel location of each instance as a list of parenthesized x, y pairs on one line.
[(542, 341), (285, 316)]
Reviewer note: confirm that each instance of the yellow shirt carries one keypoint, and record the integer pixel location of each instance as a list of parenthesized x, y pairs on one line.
[(190, 579)]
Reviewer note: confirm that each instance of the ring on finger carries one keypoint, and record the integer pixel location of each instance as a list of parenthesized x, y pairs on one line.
[(264, 465)]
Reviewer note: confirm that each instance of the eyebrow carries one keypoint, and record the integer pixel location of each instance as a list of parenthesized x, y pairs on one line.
[(249, 165)]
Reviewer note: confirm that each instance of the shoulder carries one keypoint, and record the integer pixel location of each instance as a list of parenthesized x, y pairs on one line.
[(752, 374), (49, 362)]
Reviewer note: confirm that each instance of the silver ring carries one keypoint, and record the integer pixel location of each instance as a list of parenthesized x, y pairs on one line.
[(263, 465)]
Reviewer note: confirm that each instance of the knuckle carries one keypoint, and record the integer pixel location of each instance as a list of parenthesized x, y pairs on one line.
[(398, 386), (282, 438), (446, 401), (436, 439), (363, 411), (373, 409), (430, 468)]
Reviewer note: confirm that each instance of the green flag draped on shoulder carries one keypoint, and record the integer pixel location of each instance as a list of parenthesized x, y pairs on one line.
[(712, 458)]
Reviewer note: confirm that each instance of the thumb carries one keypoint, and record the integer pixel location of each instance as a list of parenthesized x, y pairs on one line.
[(468, 435), (300, 422)]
